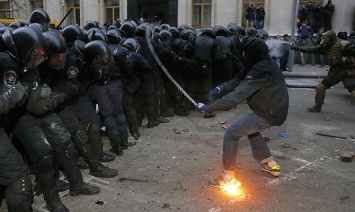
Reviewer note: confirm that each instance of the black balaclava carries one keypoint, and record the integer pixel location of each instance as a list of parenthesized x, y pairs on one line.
[(255, 50)]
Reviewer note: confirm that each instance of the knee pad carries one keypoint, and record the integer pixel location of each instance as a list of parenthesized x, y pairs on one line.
[(94, 133), (320, 89), (80, 137)]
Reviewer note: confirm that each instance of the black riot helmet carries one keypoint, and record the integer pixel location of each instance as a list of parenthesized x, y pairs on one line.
[(251, 31), (157, 29), (241, 31), (71, 33), (57, 50), (114, 36), (164, 26), (221, 31), (233, 30), (132, 44), (208, 31), (91, 24), (165, 35), (174, 31), (129, 28), (232, 25), (27, 45), (38, 27), (97, 51), (5, 28), (141, 30), (112, 27), (187, 34), (96, 34), (17, 24), (41, 17)]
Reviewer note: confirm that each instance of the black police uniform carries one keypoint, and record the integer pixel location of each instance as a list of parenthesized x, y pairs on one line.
[(15, 183)]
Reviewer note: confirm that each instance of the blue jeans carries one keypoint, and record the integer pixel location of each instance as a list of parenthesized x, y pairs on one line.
[(260, 24), (249, 125)]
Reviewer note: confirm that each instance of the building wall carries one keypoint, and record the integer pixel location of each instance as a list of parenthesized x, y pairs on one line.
[(277, 19)]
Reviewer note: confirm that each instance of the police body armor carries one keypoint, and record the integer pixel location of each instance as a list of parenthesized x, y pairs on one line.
[(203, 48), (225, 45)]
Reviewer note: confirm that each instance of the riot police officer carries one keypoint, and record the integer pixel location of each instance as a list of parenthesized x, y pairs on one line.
[(133, 70), (40, 130), (204, 50), (109, 99), (223, 68), (15, 182), (180, 45), (151, 93), (90, 150)]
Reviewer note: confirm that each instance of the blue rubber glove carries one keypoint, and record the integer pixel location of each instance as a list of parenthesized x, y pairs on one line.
[(200, 107), (213, 95)]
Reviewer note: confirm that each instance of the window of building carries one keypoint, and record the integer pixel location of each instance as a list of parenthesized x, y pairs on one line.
[(5, 11), (74, 16), (37, 5), (201, 12), (112, 8), (301, 2), (246, 5)]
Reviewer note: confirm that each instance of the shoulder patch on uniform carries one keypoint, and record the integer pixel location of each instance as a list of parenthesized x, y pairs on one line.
[(10, 78), (73, 71)]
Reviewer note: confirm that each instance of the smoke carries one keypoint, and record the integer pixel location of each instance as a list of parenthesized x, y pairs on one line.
[(277, 48)]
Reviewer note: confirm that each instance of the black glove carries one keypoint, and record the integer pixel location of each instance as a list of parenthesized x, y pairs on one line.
[(36, 104), (16, 93), (70, 88), (57, 98)]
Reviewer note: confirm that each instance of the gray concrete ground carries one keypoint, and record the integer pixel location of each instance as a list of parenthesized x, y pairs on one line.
[(167, 171)]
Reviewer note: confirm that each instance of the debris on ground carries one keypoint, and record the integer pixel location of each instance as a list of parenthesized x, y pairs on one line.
[(177, 131), (99, 202), (347, 156)]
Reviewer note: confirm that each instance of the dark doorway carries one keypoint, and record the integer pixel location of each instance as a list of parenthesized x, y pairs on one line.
[(153, 10)]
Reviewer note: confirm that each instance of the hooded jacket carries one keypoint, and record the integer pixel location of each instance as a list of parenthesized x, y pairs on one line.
[(261, 84)]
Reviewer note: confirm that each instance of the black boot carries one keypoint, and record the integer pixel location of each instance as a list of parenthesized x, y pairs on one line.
[(103, 171), (136, 135), (61, 185), (96, 144), (45, 177), (67, 159), (107, 158), (96, 168), (84, 188), (116, 146), (315, 108)]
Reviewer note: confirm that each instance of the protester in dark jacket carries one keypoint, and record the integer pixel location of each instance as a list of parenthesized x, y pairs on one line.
[(262, 85)]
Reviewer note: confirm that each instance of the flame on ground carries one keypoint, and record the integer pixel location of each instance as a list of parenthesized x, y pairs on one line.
[(233, 190)]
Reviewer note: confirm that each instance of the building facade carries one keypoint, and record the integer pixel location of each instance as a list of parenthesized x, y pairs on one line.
[(197, 13)]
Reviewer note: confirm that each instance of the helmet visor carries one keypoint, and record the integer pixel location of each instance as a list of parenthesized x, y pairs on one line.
[(56, 61), (36, 59)]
